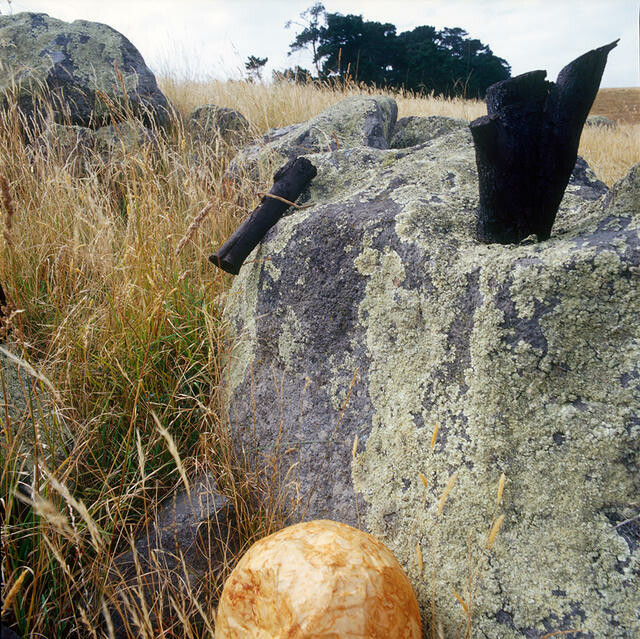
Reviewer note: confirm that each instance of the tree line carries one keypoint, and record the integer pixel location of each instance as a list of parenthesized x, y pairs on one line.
[(424, 60)]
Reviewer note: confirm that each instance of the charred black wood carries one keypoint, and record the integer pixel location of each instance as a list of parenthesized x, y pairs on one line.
[(289, 182), (527, 145)]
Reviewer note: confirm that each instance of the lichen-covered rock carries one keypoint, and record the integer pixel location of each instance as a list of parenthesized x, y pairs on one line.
[(31, 426), (123, 138), (415, 130), (70, 145), (356, 121), (600, 121), (209, 122), (66, 65), (364, 321)]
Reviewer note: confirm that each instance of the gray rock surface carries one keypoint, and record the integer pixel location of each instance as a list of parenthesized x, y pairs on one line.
[(181, 527), (28, 413), (7, 633), (190, 538), (601, 121), (66, 64), (209, 122), (364, 321), (416, 130), (355, 121)]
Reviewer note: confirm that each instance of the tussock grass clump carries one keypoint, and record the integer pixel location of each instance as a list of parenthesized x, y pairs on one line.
[(127, 329), (611, 152), (277, 105), (114, 306)]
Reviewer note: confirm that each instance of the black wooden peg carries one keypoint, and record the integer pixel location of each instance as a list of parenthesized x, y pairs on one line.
[(289, 182)]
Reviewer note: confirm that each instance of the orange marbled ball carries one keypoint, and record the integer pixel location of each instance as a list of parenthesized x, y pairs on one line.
[(318, 579)]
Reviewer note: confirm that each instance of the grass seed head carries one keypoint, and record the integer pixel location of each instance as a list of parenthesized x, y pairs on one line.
[(495, 529), (445, 495), (434, 436), (500, 489), (461, 601)]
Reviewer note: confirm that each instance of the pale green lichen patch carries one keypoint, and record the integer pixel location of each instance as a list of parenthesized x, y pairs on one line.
[(66, 64), (290, 340), (241, 303), (242, 300), (540, 400), (357, 121)]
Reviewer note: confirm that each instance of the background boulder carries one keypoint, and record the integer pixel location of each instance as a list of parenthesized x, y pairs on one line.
[(601, 121), (71, 145), (125, 137), (29, 417), (355, 121), (209, 122), (364, 321), (65, 64)]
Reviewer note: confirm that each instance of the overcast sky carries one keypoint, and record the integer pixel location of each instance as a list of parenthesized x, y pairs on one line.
[(214, 37)]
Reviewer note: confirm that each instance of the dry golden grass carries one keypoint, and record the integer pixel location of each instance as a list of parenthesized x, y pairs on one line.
[(117, 307), (271, 106), (610, 154), (128, 332)]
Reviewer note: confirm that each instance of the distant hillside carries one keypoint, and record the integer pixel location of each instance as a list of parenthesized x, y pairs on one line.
[(622, 105)]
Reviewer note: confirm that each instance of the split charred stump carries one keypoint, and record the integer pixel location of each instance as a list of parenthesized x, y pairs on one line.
[(289, 182), (527, 145)]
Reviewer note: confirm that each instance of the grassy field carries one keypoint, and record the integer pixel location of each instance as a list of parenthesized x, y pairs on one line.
[(114, 303), (621, 105)]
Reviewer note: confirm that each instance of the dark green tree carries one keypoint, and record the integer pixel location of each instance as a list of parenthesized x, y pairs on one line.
[(420, 64), (445, 62), (297, 74), (254, 66), (471, 65), (310, 34), (352, 47)]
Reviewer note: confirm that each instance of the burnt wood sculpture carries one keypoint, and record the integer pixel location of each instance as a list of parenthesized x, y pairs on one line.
[(527, 145), (289, 182)]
